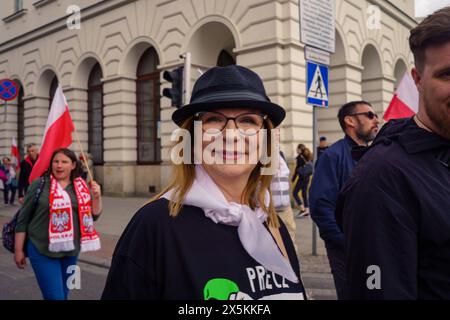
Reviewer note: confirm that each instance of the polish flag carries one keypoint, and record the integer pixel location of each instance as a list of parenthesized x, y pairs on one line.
[(58, 133), (405, 102), (15, 155)]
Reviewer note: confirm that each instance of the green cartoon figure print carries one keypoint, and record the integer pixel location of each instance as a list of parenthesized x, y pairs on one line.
[(225, 289)]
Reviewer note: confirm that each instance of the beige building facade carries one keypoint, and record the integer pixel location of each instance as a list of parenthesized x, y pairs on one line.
[(110, 69)]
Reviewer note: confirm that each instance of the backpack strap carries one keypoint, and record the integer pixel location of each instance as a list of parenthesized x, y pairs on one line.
[(37, 195)]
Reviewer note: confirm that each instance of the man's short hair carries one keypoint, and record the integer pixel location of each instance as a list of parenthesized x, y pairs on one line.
[(348, 109), (323, 139), (30, 145), (434, 30)]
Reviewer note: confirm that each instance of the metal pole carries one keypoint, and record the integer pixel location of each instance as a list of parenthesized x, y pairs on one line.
[(187, 77), (314, 227)]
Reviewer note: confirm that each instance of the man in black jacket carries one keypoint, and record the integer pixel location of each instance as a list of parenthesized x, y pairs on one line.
[(395, 208), (26, 165)]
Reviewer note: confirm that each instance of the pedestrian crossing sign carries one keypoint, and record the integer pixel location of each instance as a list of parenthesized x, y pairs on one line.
[(317, 84)]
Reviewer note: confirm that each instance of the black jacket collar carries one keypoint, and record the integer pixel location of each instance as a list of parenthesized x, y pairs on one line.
[(408, 134), (415, 139)]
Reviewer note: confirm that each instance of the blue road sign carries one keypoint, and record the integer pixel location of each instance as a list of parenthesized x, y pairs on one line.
[(316, 84), (8, 89)]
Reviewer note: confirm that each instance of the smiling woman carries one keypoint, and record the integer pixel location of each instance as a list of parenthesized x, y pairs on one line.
[(212, 233)]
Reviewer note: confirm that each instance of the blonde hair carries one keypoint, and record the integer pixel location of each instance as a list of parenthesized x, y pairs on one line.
[(183, 176)]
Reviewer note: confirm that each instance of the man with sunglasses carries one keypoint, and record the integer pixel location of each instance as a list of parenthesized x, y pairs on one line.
[(359, 122), (395, 208)]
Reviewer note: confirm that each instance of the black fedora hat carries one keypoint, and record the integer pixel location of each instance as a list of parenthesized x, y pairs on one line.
[(229, 87)]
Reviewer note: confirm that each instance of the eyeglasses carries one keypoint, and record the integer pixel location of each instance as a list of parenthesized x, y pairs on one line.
[(251, 122), (368, 114)]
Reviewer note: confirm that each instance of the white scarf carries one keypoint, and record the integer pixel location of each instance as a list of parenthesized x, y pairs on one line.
[(255, 238)]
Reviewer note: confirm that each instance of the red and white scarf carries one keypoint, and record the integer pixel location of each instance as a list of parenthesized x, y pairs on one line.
[(60, 230)]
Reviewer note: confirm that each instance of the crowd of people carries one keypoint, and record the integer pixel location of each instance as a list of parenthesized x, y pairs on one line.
[(380, 198)]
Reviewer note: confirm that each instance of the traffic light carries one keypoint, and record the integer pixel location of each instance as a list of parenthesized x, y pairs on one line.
[(175, 93)]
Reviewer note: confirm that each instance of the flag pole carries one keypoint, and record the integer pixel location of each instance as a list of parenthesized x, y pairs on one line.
[(82, 154)]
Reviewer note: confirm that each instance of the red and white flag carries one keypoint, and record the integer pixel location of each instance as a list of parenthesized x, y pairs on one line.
[(15, 155), (58, 133), (405, 102)]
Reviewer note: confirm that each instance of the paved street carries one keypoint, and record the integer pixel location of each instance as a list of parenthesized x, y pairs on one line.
[(16, 284), (21, 284)]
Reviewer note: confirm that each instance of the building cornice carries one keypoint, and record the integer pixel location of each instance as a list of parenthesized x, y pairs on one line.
[(395, 12), (282, 43), (60, 23)]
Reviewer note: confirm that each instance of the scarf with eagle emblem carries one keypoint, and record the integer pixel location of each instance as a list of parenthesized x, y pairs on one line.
[(60, 230)]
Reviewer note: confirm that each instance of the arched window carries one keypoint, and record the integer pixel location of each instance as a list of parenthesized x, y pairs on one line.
[(20, 123), (52, 91), (225, 59), (148, 111), (95, 115)]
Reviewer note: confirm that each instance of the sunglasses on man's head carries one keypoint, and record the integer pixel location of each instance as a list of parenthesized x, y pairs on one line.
[(368, 114)]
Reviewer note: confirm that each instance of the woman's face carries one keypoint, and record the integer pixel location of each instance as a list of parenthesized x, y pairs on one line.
[(62, 166), (242, 159)]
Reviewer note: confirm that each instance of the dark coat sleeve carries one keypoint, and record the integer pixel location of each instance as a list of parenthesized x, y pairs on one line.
[(133, 271), (380, 231), (322, 200)]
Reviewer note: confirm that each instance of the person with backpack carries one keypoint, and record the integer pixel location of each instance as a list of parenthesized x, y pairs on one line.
[(58, 224), (303, 171)]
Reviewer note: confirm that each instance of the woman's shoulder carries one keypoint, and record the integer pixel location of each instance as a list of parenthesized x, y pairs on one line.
[(154, 210), (159, 209), (146, 220), (150, 220), (157, 213), (37, 182)]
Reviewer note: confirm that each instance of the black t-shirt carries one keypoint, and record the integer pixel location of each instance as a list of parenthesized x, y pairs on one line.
[(191, 257)]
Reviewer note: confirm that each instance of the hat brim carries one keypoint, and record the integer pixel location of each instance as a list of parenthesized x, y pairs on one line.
[(275, 112)]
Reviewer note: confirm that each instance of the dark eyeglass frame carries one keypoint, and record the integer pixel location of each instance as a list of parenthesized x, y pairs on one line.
[(263, 116), (368, 114)]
